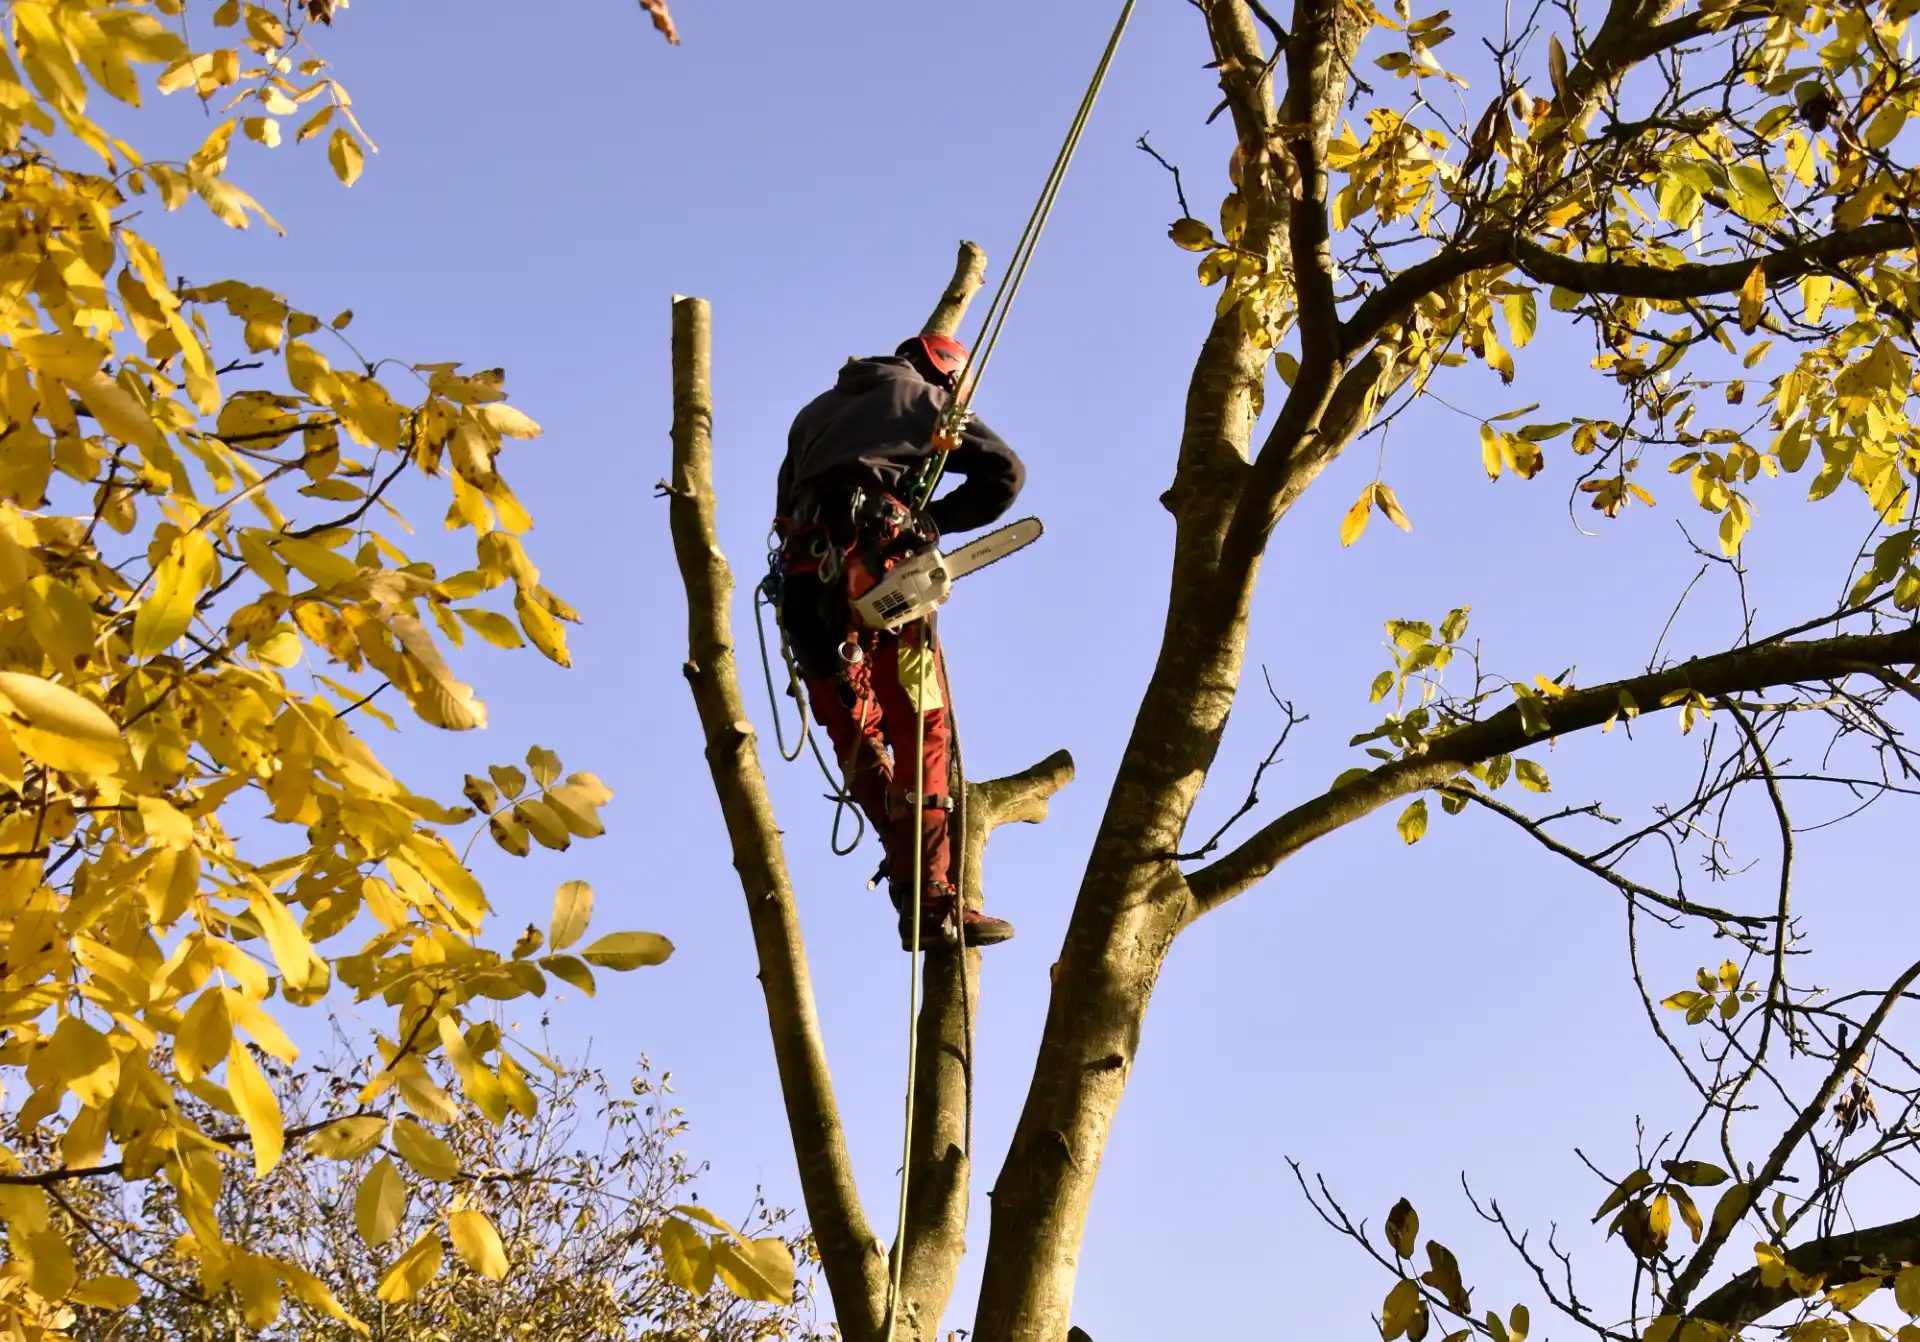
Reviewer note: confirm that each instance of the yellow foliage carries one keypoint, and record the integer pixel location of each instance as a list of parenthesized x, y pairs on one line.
[(150, 954)]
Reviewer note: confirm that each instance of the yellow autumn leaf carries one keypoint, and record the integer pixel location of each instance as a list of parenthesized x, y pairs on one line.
[(346, 156), (53, 708), (299, 965), (166, 826), (544, 631), (259, 1109), (380, 1202), (429, 1156), (494, 627), (760, 1269), (116, 410), (1490, 454), (1521, 311), (204, 1036), (628, 950), (1355, 522), (71, 358), (348, 1138), (317, 564), (106, 1292), (311, 1291), (178, 583), (1753, 299), (1413, 822), (1192, 235), (686, 1256), (572, 907), (1496, 354), (248, 1015), (1390, 505), (478, 1243), (412, 1270), (506, 421), (257, 1283), (81, 1057), (50, 1268)]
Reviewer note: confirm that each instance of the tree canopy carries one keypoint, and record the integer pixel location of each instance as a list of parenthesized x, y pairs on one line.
[(1714, 197)]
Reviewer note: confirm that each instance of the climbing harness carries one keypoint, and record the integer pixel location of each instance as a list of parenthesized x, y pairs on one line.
[(769, 592)]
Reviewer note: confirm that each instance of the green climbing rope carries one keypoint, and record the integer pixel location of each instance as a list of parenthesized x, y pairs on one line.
[(990, 327), (995, 319)]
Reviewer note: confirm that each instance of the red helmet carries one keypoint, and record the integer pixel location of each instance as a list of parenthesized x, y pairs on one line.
[(945, 355)]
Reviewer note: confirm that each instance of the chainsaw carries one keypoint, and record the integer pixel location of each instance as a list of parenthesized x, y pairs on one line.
[(916, 587)]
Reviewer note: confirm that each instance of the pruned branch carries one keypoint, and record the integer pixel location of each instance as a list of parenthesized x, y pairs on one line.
[(852, 1257), (941, 1165), (1742, 670), (969, 272)]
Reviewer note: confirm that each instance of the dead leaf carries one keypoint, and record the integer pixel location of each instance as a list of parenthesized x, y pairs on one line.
[(662, 20)]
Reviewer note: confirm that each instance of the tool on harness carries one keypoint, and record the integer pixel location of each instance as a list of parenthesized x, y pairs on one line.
[(920, 584)]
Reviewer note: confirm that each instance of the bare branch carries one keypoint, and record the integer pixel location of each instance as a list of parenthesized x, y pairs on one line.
[(1535, 828), (1741, 670), (1179, 191), (1253, 789), (855, 1265)]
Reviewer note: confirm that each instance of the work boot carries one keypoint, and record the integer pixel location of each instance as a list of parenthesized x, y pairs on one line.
[(937, 908)]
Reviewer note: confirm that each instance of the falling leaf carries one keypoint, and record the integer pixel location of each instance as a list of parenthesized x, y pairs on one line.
[(662, 20)]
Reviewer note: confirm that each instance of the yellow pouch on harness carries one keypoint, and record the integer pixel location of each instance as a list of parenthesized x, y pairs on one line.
[(920, 677)]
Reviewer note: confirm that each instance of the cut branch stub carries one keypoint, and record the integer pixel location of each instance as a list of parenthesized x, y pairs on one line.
[(969, 272), (941, 1163)]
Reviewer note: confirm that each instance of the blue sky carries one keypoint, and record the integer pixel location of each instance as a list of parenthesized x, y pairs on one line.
[(549, 175)]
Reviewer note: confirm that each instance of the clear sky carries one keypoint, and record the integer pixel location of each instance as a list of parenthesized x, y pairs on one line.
[(549, 175)]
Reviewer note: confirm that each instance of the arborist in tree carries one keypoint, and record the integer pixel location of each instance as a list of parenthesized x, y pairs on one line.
[(857, 458)]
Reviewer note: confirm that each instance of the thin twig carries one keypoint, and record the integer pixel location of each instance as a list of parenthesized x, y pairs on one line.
[(1141, 143), (1253, 790)]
